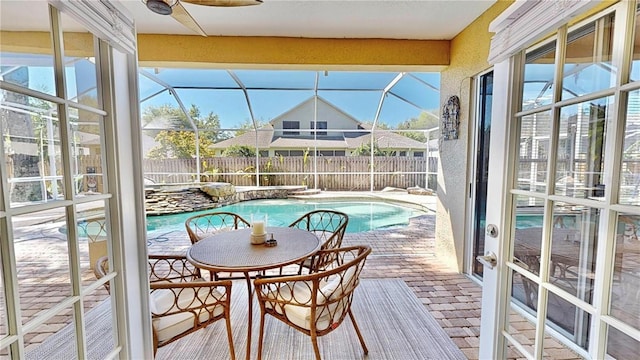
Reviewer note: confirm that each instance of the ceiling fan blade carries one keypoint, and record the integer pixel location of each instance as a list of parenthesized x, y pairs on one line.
[(227, 3), (183, 17)]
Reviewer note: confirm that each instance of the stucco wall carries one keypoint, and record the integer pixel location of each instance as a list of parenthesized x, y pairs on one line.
[(469, 53)]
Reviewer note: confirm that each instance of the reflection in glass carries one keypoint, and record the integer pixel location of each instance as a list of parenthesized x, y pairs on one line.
[(32, 142), (569, 320), (93, 233), (539, 71), (41, 251), (574, 239), (588, 66), (87, 151), (534, 150), (621, 346), (580, 160), (525, 291), (528, 220), (3, 309), (80, 63), (27, 56), (635, 64), (625, 292), (630, 169)]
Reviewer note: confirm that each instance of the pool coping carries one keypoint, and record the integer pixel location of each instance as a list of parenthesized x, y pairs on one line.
[(426, 203)]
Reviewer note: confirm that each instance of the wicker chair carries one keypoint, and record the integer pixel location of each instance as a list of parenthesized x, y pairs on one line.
[(328, 225), (200, 226), (180, 301), (315, 303), (101, 269)]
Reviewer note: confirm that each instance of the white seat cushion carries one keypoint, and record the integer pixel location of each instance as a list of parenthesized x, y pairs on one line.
[(326, 314), (167, 327)]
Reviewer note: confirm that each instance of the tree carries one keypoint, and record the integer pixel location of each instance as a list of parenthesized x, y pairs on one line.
[(247, 126), (365, 150), (426, 120), (239, 151), (180, 140)]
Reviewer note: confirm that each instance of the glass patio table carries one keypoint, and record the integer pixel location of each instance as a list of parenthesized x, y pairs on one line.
[(232, 251)]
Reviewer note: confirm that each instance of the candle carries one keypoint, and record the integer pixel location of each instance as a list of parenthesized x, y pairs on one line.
[(258, 224), (257, 228)]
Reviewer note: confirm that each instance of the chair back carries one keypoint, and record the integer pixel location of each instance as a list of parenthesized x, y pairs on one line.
[(201, 226), (328, 225), (171, 268), (317, 302), (181, 302), (94, 229)]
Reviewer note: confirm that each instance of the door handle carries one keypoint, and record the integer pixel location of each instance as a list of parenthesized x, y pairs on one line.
[(489, 260)]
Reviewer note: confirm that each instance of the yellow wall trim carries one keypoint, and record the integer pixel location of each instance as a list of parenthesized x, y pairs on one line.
[(275, 52)]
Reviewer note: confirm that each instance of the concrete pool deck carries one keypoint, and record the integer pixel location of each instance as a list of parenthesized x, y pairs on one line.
[(427, 203)]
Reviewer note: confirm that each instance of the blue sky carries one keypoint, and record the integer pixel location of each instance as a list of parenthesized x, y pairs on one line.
[(273, 92), (270, 92)]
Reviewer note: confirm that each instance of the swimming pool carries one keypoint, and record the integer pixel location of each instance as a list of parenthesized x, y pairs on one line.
[(364, 215)]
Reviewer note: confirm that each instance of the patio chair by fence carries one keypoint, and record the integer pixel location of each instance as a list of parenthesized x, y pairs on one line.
[(180, 301), (317, 303), (328, 225), (200, 226)]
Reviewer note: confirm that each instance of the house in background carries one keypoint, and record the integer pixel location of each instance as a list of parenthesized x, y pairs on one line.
[(298, 131), (507, 55)]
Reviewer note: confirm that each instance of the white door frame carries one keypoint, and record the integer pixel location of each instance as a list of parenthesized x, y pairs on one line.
[(469, 259), (494, 280), (496, 299)]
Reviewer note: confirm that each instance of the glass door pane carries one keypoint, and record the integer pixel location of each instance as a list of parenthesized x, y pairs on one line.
[(483, 135)]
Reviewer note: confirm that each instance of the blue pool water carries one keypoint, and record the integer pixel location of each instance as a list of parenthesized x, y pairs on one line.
[(363, 215)]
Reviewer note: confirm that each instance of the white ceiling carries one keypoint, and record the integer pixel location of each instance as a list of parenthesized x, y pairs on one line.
[(416, 19)]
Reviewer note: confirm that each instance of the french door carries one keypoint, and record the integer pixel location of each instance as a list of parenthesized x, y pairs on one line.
[(568, 283), (59, 195), (480, 171)]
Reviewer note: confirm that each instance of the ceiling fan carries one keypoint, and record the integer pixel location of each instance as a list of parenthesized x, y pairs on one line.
[(178, 12)]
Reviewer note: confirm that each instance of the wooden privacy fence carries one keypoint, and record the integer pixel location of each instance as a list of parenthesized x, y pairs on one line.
[(341, 173)]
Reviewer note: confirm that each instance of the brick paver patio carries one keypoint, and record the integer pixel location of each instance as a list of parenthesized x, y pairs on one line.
[(407, 253)]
